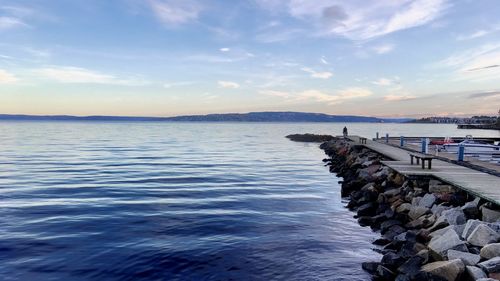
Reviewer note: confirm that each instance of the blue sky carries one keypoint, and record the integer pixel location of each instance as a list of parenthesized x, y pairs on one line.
[(171, 57)]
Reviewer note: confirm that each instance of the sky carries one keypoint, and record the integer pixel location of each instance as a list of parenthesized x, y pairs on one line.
[(405, 58)]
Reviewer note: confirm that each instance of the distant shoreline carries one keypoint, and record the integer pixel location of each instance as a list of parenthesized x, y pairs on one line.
[(278, 117)]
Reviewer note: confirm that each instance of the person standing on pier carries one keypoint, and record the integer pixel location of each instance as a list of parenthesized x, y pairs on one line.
[(344, 131)]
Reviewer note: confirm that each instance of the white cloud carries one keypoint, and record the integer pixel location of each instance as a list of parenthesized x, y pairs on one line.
[(316, 74), (69, 74), (228, 84), (324, 61), (273, 93), (178, 84), (478, 64), (10, 22), (340, 96), (384, 82), (7, 78), (354, 92), (224, 49), (174, 12), (360, 19), (383, 49), (478, 33), (399, 97), (320, 96)]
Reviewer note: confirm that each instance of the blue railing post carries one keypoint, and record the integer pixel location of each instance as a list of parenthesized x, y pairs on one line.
[(387, 138), (461, 152), (424, 145), (377, 136), (401, 141)]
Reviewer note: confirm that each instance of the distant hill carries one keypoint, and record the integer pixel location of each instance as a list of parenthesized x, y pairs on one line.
[(228, 117)]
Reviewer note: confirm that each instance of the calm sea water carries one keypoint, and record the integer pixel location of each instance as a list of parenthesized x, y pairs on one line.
[(178, 201)]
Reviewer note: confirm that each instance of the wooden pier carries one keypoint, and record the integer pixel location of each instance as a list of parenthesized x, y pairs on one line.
[(478, 183)]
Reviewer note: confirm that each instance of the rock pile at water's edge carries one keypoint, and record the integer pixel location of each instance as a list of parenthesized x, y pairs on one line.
[(429, 230)]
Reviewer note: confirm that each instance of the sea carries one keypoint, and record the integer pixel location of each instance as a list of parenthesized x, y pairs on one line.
[(180, 201)]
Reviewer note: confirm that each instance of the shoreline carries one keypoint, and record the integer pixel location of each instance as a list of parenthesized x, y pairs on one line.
[(429, 230)]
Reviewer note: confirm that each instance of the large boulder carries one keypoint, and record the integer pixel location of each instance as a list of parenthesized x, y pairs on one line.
[(483, 235), (404, 208), (438, 209), (427, 201), (440, 245), (439, 232), (454, 216), (471, 209), (469, 227), (474, 272), (467, 258), (449, 270), (367, 209), (491, 265), (490, 251), (490, 215), (416, 212)]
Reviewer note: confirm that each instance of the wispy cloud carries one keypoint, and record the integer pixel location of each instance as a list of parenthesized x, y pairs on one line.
[(320, 96), (476, 64), (7, 78), (479, 33), (492, 94), (228, 84), (399, 97), (69, 74), (281, 94), (224, 49), (275, 35), (340, 96), (10, 22), (178, 84), (174, 12), (376, 18), (317, 74), (386, 81), (383, 49)]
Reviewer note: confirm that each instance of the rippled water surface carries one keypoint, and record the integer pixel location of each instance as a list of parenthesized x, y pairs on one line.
[(176, 201)]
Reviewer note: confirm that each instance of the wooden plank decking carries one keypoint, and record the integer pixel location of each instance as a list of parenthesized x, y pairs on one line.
[(475, 182)]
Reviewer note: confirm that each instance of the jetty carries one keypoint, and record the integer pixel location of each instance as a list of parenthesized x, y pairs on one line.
[(478, 183)]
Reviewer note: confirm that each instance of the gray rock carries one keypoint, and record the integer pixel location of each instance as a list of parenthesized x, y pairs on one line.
[(441, 231), (415, 200), (491, 265), (424, 254), (427, 201), (469, 227), (403, 208), (471, 208), (490, 215), (467, 258), (475, 273), (482, 235), (454, 216), (438, 209), (416, 212), (448, 270), (490, 251), (486, 279), (495, 226), (392, 192), (448, 241)]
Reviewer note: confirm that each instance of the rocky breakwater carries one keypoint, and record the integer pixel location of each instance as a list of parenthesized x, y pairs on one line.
[(429, 230)]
